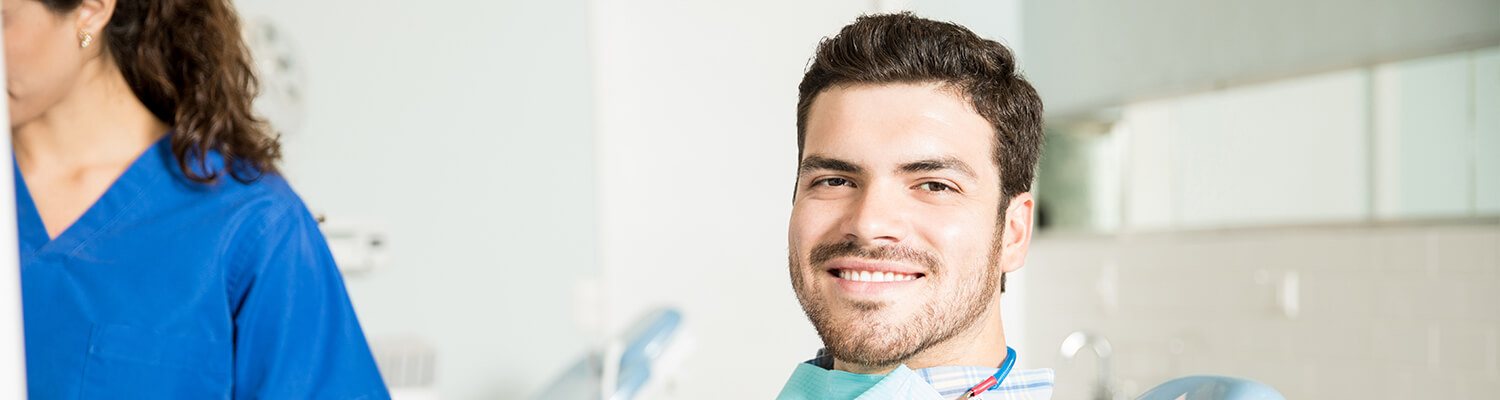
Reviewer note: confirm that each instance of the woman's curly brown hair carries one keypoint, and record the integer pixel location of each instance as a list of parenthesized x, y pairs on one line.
[(186, 60)]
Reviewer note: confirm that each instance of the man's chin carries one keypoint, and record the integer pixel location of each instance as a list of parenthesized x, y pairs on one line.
[(864, 337), (868, 311), (869, 350), (865, 312)]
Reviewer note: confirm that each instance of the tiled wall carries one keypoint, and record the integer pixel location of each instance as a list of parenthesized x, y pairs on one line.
[(1381, 312)]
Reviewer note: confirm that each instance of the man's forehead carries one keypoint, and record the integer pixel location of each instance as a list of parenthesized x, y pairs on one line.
[(892, 94), (899, 114)]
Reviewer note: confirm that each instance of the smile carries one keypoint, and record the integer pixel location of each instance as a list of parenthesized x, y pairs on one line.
[(873, 276)]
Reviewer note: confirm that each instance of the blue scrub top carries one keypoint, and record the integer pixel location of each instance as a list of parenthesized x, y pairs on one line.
[(169, 289)]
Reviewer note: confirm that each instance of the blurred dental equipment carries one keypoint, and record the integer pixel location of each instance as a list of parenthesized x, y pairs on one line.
[(635, 365), (407, 364), (1104, 387)]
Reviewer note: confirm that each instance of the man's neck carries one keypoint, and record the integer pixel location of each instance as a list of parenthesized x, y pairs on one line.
[(982, 345), (99, 122)]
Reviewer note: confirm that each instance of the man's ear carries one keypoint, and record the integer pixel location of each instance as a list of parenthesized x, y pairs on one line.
[(1017, 235)]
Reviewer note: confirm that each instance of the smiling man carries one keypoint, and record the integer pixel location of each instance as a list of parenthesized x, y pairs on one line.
[(917, 143)]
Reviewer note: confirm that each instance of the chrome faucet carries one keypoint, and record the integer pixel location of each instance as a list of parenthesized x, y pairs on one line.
[(1104, 388)]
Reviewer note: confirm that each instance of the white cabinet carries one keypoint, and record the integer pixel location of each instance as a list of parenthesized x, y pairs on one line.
[(1487, 132), (1283, 152), (1417, 139), (1425, 167)]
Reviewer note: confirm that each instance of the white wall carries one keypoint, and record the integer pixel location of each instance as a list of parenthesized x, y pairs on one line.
[(466, 127)]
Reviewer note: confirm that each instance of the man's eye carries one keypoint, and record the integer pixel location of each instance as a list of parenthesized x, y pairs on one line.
[(833, 182), (934, 187)]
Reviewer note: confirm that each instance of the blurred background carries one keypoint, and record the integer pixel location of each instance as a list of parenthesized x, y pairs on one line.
[(1305, 193)]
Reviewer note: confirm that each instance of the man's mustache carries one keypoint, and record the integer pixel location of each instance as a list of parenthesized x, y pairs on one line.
[(826, 252)]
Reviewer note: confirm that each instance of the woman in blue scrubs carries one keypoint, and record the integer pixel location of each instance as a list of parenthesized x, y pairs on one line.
[(162, 256)]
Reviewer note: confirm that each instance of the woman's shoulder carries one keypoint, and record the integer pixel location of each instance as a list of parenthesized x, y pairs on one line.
[(266, 199), (228, 187), (265, 215), (270, 185)]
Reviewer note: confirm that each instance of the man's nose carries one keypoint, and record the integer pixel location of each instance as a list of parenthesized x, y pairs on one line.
[(877, 217)]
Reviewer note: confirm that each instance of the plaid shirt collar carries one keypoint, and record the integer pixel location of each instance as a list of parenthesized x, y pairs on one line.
[(950, 382)]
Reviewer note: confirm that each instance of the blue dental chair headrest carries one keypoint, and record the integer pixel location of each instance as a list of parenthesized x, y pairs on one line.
[(1208, 387)]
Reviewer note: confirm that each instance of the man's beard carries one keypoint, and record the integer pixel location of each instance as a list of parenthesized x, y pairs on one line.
[(861, 338)]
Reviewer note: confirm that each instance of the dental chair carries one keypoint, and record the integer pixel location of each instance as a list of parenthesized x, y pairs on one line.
[(1208, 387), (628, 367)]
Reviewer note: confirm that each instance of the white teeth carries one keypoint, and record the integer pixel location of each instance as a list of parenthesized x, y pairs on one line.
[(867, 276)]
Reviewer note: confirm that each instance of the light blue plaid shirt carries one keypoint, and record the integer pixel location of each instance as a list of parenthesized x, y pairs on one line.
[(1032, 384)]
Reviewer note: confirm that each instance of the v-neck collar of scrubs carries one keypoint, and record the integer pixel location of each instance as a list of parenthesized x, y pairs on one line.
[(125, 192)]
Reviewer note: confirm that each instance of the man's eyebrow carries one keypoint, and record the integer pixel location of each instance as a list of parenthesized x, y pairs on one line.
[(816, 162), (938, 164)]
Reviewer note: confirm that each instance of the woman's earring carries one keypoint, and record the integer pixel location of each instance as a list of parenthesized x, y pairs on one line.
[(84, 38)]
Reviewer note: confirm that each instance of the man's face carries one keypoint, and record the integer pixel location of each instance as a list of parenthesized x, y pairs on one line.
[(893, 236)]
